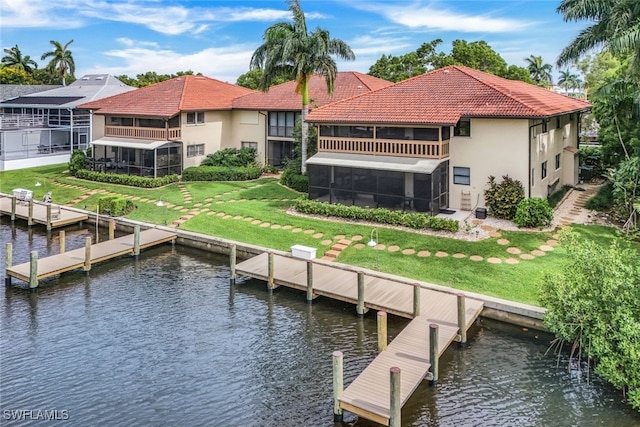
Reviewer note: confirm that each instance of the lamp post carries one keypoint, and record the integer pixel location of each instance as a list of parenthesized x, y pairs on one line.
[(373, 243)]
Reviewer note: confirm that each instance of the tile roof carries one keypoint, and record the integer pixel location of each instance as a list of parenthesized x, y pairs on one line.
[(168, 98), (445, 95), (283, 97)]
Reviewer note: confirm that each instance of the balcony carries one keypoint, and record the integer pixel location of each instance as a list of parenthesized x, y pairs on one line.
[(385, 147), (160, 134)]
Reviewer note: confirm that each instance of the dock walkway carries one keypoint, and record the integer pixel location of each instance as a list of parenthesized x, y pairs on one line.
[(369, 394), (58, 215)]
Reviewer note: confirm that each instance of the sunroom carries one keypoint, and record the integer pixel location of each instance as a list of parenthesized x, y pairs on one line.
[(141, 157)]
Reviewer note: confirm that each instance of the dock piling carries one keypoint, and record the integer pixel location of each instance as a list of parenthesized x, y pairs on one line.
[(360, 305), (49, 217), (270, 283), (13, 208), (62, 238), (382, 331), (232, 265), (30, 217), (395, 404), (462, 320), (433, 353), (136, 240), (87, 254), (112, 229), (309, 282), (416, 299), (8, 262), (33, 271), (338, 385)]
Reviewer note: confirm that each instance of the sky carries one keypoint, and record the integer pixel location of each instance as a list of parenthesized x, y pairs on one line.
[(217, 38)]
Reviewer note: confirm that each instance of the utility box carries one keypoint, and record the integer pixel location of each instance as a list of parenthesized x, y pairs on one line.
[(481, 213), (304, 252)]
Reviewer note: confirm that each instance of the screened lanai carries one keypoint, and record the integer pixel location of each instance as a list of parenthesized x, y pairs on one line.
[(152, 159)]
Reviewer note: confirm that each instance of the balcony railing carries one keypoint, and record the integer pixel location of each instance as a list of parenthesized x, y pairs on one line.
[(143, 133), (21, 121), (386, 147)]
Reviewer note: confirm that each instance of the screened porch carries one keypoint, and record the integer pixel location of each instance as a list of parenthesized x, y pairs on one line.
[(151, 159)]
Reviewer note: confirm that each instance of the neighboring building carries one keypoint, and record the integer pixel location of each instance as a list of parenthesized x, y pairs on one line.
[(14, 91), (430, 142), (281, 107), (44, 127)]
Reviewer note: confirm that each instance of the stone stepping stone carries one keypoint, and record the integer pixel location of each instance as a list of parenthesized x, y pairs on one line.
[(237, 217), (393, 248), (493, 260), (310, 231), (205, 210), (265, 224), (546, 248), (408, 251), (475, 258), (441, 254), (459, 255), (231, 200), (326, 242), (487, 228), (179, 221), (249, 218), (340, 237), (495, 234), (219, 202), (208, 199), (346, 242), (197, 205), (287, 227), (211, 213), (227, 217), (424, 254), (514, 251), (552, 242), (187, 217), (256, 222), (135, 198), (221, 214), (184, 210), (327, 258), (556, 236), (317, 235), (217, 195), (503, 242), (537, 252), (338, 247), (359, 245), (276, 226), (242, 200), (380, 247), (526, 256), (296, 230), (357, 238), (512, 261)]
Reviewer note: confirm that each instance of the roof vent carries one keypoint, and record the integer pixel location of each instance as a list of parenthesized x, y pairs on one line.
[(85, 78), (100, 78)]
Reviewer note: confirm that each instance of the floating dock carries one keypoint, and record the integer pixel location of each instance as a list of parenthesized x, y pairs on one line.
[(47, 214)]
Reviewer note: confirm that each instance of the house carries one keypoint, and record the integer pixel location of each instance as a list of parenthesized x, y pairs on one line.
[(430, 143), (43, 127), (281, 108)]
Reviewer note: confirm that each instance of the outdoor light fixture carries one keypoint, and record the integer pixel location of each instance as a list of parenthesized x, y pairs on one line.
[(372, 242)]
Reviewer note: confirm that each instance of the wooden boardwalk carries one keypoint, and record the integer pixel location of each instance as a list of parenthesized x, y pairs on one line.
[(72, 260), (59, 218), (369, 395)]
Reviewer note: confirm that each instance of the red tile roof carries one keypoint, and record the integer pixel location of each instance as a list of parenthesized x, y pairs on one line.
[(168, 98), (283, 97), (445, 95)]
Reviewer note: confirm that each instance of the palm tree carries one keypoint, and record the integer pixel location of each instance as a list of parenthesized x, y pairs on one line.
[(568, 80), (539, 71), (62, 60), (14, 59), (289, 50), (616, 27)]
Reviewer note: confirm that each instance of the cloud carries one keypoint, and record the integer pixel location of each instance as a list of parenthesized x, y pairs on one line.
[(38, 14)]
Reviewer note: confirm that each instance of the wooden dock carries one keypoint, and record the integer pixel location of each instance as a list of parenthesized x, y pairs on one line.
[(368, 395), (47, 214), (75, 259)]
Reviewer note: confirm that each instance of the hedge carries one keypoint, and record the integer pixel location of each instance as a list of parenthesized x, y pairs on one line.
[(221, 173), (295, 180), (380, 215), (115, 205), (130, 180)]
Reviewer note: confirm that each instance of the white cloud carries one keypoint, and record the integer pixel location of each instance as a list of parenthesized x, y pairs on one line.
[(37, 14), (368, 45)]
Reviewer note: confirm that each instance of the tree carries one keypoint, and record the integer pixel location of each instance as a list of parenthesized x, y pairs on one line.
[(15, 59), (61, 62), (594, 304), (478, 55), (398, 68), (517, 73), (14, 76), (568, 80), (288, 49), (151, 77), (251, 79), (538, 70)]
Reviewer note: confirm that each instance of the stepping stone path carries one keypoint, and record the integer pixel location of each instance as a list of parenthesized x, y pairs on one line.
[(494, 260), (514, 251), (475, 258), (393, 248), (502, 242), (441, 254), (424, 254), (185, 194), (459, 255)]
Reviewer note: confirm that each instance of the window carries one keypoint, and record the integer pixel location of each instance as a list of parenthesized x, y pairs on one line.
[(249, 144), (463, 128), (281, 123), (558, 161), (195, 118), (195, 150), (462, 176), (543, 170)]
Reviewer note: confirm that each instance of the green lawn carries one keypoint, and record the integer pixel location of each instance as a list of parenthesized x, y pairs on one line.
[(266, 200)]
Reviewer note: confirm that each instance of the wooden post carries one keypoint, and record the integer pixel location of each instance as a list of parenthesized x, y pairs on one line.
[(462, 320), (232, 265), (30, 217), (136, 240), (62, 241), (309, 282), (270, 283), (433, 353), (416, 299), (360, 306), (8, 262), (382, 331), (395, 405), (87, 254), (33, 271), (338, 386), (112, 229), (13, 208), (48, 216)]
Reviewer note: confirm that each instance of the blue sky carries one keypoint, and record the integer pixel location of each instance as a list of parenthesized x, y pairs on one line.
[(217, 38)]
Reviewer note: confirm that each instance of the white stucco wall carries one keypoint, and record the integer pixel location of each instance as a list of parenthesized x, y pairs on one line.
[(215, 134), (97, 126), (250, 126)]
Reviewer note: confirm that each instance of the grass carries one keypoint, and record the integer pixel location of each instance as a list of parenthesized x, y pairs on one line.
[(266, 200)]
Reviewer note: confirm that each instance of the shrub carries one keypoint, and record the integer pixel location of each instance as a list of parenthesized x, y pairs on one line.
[(130, 180), (295, 180), (77, 162), (221, 173), (592, 157), (115, 205), (533, 212), (502, 199), (231, 158), (380, 215)]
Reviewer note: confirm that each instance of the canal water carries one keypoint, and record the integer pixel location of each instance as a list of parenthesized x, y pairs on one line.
[(163, 340)]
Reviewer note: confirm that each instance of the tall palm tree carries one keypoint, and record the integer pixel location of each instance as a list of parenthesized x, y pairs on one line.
[(62, 60), (288, 49), (539, 71), (14, 59), (568, 80), (616, 27)]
